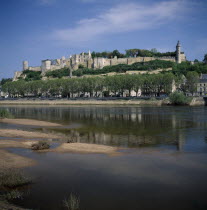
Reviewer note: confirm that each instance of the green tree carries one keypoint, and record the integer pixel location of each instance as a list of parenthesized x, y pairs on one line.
[(192, 81), (5, 80), (128, 83), (178, 98), (168, 82), (80, 66), (131, 52), (138, 81), (154, 50), (205, 58)]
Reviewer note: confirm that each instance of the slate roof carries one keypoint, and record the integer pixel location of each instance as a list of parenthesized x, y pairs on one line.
[(203, 76)]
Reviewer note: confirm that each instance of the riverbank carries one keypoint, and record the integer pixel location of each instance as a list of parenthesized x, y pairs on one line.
[(197, 101), (84, 102)]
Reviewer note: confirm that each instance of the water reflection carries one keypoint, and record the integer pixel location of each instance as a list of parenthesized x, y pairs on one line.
[(125, 126), (145, 178)]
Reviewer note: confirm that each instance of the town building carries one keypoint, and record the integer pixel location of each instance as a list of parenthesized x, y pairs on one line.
[(202, 85)]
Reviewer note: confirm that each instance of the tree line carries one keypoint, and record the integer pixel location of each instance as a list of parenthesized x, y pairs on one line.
[(132, 53), (118, 85)]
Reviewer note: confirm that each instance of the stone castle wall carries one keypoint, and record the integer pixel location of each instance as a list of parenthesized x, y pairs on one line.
[(96, 63), (17, 74), (36, 68), (86, 60)]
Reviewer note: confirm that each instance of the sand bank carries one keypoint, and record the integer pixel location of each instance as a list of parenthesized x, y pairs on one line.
[(15, 133), (10, 160), (86, 148), (29, 122), (12, 143)]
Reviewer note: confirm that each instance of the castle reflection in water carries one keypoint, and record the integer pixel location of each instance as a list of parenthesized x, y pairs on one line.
[(121, 126)]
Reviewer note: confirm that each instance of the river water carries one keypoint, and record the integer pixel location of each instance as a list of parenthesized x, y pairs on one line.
[(163, 161)]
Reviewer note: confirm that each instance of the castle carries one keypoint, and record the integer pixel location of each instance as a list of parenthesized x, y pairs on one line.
[(85, 59)]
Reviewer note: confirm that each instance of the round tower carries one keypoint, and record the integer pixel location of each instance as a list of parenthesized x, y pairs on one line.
[(178, 52), (25, 65), (46, 65)]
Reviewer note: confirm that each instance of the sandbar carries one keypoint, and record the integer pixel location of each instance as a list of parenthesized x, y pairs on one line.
[(10, 160), (27, 134), (30, 122), (86, 148), (16, 144)]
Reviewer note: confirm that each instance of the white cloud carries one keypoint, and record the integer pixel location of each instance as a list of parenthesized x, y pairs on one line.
[(122, 18)]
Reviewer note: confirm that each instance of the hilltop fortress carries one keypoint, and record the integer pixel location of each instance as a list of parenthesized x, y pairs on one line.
[(86, 60)]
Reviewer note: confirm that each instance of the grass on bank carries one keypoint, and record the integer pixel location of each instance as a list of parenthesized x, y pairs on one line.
[(10, 181), (12, 178), (5, 114)]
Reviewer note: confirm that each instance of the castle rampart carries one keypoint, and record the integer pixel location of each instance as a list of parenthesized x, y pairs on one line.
[(85, 59)]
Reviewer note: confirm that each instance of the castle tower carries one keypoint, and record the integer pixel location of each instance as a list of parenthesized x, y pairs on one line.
[(178, 52), (89, 54), (46, 65), (62, 62), (25, 65)]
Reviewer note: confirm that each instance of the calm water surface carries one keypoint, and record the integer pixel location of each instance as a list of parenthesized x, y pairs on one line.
[(163, 163)]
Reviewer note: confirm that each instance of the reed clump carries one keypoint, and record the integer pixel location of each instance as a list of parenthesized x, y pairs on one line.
[(5, 114), (12, 178), (72, 203), (41, 145)]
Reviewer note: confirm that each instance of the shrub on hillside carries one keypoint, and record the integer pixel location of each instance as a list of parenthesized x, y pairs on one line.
[(32, 75), (121, 68), (59, 73)]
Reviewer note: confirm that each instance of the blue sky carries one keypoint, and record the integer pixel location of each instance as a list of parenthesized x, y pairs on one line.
[(34, 30)]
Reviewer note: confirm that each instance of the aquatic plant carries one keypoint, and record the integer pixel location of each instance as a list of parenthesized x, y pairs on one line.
[(73, 137), (14, 194), (5, 113), (72, 203), (69, 140), (12, 178), (41, 145)]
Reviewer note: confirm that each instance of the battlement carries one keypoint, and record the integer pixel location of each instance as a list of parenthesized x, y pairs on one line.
[(85, 59)]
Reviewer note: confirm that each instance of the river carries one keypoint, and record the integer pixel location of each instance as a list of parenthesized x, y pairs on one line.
[(163, 161)]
